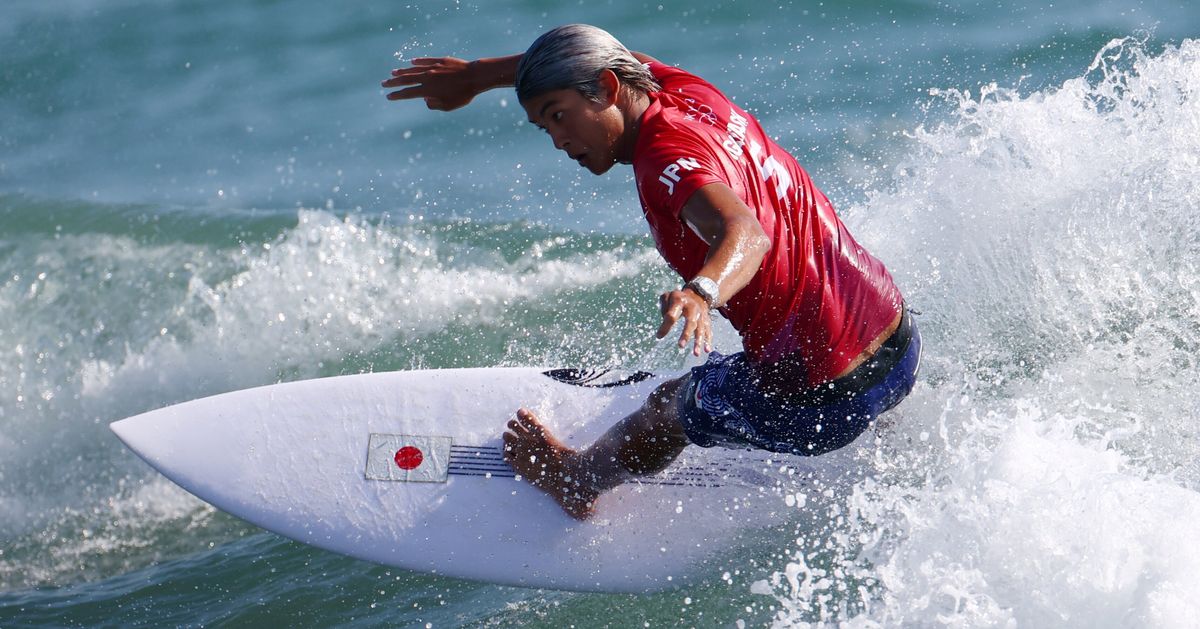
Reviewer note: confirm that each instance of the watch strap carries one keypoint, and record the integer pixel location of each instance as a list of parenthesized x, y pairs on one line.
[(706, 288)]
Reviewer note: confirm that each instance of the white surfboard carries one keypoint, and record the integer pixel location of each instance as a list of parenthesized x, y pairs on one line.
[(405, 469)]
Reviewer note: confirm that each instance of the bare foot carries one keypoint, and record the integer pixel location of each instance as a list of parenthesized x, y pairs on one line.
[(547, 464)]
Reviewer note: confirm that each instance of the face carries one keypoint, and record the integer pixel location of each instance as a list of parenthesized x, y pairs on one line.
[(587, 131)]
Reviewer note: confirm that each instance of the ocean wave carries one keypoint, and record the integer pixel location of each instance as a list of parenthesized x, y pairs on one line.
[(1043, 471)]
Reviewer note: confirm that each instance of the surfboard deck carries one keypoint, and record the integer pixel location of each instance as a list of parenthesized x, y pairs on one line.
[(405, 469)]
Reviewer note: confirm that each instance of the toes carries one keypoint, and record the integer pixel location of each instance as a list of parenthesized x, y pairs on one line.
[(524, 423), (533, 429), (526, 417)]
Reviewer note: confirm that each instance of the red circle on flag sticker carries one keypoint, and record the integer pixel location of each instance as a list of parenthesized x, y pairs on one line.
[(409, 458)]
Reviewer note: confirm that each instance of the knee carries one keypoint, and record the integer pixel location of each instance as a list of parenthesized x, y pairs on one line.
[(663, 404), (665, 399)]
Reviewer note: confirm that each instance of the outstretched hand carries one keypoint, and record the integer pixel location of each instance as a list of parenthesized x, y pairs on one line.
[(687, 305), (445, 83)]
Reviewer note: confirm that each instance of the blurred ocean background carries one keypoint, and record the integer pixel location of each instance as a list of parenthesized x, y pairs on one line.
[(197, 197)]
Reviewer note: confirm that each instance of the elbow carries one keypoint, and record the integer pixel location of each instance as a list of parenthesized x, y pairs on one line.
[(762, 244), (752, 243), (758, 242)]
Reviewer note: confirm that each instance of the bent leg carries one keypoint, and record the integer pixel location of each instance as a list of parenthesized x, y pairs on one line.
[(645, 442)]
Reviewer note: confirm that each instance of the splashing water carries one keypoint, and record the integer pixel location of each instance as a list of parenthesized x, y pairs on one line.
[(1043, 472)]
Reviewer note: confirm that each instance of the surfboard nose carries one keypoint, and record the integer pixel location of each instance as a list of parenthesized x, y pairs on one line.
[(134, 432), (121, 429)]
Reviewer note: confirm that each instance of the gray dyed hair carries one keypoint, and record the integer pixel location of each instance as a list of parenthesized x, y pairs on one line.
[(573, 56)]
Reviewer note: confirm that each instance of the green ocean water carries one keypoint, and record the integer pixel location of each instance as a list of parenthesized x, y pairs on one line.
[(201, 197)]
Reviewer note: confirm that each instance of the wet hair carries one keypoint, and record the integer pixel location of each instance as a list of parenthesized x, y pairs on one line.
[(572, 56)]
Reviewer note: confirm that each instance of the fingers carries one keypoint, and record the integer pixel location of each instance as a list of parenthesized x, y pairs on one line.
[(698, 330), (671, 313), (419, 91), (697, 327), (410, 93), (416, 75), (409, 78), (445, 83), (419, 64), (416, 91), (422, 91), (689, 332), (421, 67), (400, 73)]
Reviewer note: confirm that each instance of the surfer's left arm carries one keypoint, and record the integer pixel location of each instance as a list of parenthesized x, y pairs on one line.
[(737, 245)]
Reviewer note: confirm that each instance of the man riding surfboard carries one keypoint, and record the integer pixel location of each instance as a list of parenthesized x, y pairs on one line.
[(828, 344)]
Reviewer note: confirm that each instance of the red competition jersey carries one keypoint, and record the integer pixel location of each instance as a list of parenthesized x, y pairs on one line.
[(818, 294)]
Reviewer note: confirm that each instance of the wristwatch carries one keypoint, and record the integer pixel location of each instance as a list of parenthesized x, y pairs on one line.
[(706, 288)]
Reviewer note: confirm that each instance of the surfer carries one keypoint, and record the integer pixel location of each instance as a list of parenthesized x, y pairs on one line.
[(828, 344)]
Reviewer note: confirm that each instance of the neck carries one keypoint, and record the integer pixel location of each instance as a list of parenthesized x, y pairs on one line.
[(634, 106)]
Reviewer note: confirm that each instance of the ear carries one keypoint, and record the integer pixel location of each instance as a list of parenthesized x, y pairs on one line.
[(610, 87)]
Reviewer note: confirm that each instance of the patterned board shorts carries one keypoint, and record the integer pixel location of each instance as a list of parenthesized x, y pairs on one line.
[(722, 405)]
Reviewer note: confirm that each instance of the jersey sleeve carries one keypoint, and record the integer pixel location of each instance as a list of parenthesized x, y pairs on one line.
[(673, 168)]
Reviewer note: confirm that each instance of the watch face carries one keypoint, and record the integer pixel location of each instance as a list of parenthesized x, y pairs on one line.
[(706, 288)]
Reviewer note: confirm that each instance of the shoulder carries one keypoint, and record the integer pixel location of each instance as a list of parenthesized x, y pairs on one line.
[(682, 121), (673, 79)]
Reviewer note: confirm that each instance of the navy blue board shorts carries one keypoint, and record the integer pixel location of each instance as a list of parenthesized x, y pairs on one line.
[(723, 404)]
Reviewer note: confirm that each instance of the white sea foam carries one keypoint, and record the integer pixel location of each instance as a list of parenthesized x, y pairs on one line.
[(1043, 473), (332, 287)]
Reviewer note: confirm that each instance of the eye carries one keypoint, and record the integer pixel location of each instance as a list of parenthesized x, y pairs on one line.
[(557, 116)]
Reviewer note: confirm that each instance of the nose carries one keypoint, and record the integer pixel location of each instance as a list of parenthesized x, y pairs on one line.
[(560, 140)]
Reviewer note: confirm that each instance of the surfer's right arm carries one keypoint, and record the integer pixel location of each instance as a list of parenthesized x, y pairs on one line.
[(447, 83)]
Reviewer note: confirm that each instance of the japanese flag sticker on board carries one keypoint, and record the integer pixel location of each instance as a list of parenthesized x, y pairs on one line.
[(408, 458)]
